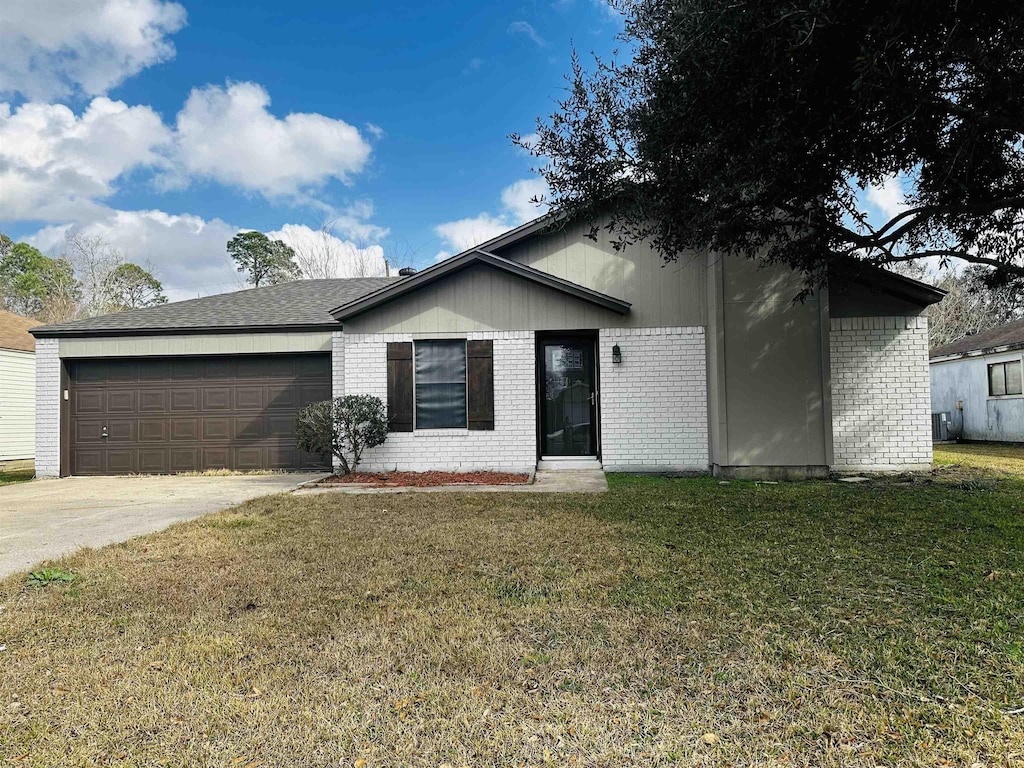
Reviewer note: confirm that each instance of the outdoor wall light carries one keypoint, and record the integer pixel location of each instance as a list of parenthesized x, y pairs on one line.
[(616, 354)]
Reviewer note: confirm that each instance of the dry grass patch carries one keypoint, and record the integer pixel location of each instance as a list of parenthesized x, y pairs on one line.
[(668, 622), (17, 471), (997, 457)]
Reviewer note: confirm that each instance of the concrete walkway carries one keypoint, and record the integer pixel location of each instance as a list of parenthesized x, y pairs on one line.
[(559, 481), (44, 519)]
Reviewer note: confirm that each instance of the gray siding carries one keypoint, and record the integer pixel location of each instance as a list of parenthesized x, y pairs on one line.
[(965, 381), (662, 293), (199, 344), (481, 298), (768, 363)]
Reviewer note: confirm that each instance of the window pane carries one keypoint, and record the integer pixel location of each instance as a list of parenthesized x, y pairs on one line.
[(440, 384), (996, 379), (1013, 378)]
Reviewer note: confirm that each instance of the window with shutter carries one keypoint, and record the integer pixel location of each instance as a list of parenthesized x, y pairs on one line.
[(480, 383), (400, 387)]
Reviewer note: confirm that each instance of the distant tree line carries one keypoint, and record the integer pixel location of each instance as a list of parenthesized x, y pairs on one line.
[(89, 277)]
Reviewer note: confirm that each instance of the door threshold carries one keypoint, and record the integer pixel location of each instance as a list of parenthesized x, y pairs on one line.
[(549, 463)]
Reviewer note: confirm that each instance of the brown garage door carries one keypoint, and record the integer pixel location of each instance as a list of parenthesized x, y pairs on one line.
[(163, 415)]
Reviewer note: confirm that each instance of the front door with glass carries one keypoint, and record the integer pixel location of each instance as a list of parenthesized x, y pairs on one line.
[(568, 398)]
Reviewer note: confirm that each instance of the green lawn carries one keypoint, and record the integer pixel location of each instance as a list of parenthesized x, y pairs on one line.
[(668, 622), (999, 457), (16, 471)]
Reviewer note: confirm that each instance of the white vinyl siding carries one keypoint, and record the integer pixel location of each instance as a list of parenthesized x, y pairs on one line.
[(17, 404)]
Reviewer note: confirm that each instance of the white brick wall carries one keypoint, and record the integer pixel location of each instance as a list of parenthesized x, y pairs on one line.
[(510, 447), (47, 407), (881, 396), (337, 364), (654, 405)]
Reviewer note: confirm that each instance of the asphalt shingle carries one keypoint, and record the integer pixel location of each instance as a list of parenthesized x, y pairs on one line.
[(1010, 334), (299, 303)]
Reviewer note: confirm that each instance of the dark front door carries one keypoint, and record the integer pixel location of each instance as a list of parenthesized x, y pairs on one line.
[(568, 397), (182, 414)]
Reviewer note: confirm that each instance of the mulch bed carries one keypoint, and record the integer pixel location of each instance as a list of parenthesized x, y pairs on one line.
[(428, 479)]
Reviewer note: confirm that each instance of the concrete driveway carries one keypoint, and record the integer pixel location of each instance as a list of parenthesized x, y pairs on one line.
[(44, 519)]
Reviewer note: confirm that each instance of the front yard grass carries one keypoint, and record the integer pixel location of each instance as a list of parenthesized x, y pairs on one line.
[(16, 471), (667, 622), (998, 457)]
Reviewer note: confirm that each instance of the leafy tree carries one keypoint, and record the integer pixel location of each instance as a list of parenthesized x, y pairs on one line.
[(343, 427), (755, 127), (265, 261), (35, 285), (972, 304), (129, 286)]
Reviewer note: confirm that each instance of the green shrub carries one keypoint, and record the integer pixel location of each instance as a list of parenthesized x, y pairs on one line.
[(45, 576), (343, 428)]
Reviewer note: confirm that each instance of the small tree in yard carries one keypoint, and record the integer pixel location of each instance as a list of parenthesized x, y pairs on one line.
[(343, 427)]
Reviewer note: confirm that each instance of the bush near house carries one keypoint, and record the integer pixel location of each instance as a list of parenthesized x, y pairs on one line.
[(343, 427)]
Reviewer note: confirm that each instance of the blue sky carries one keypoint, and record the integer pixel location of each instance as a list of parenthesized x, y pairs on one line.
[(165, 127)]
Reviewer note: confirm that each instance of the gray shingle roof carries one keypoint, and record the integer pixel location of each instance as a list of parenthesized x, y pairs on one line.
[(1008, 335), (302, 303)]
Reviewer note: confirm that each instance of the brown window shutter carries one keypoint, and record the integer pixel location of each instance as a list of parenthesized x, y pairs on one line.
[(480, 383), (400, 394)]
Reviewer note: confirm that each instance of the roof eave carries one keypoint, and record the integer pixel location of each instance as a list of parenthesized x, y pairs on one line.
[(996, 349), (43, 333)]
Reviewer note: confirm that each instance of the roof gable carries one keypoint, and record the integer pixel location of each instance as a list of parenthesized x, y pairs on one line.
[(466, 259)]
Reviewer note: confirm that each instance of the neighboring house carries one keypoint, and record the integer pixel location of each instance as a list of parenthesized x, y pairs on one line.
[(17, 387), (538, 345), (978, 381)]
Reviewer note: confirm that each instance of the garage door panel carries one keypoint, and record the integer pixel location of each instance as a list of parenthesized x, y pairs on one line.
[(314, 393), (120, 430), (88, 431), (216, 428), (184, 399), (120, 461), (152, 431), (87, 462), (88, 401), (153, 461), (186, 368), (249, 458), (280, 425), (248, 398), (184, 414), (216, 399), (120, 401), (218, 368), (283, 396), (154, 369), (152, 400), (250, 427), (215, 458), (183, 459), (185, 429)]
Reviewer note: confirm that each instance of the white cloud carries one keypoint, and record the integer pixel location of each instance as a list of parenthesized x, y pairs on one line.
[(186, 252), (54, 165), (517, 198), (336, 257), (526, 29), (889, 197), (517, 209), (55, 48), (229, 135)]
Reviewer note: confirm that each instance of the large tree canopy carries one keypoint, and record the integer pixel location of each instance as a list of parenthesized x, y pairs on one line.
[(754, 127), (264, 261)]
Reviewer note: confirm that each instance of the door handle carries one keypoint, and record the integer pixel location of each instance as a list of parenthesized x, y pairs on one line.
[(593, 398), (104, 432)]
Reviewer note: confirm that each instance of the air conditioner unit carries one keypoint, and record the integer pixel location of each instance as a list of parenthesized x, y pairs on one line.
[(942, 426)]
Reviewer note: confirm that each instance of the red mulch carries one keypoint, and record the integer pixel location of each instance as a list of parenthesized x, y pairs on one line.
[(428, 479)]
